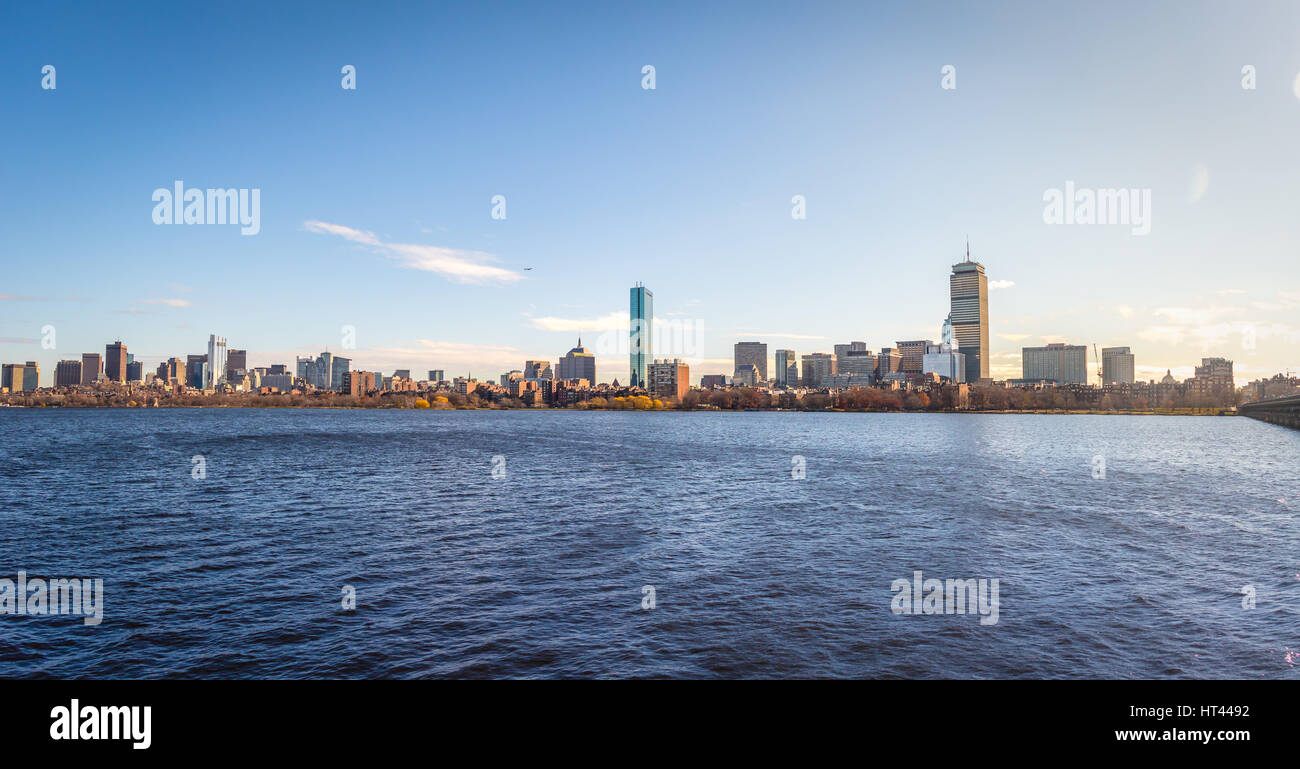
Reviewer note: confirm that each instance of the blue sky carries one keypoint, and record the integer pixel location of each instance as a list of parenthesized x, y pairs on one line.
[(686, 187)]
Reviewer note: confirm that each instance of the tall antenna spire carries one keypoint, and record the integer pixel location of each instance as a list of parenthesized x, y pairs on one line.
[(968, 248)]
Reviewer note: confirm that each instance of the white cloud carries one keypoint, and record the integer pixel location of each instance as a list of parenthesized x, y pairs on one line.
[(168, 302), (994, 285), (459, 265)]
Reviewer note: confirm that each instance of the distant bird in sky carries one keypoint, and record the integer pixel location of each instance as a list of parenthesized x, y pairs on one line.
[(526, 269)]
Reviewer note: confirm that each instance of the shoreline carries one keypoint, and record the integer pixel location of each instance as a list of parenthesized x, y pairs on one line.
[(1219, 412)]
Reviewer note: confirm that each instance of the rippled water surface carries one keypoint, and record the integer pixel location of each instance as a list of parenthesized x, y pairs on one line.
[(756, 574)]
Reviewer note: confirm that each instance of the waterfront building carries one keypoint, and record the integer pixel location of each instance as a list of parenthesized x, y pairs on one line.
[(135, 371), (92, 367), (11, 377), (669, 378), (361, 382), (31, 375), (1057, 362), (215, 373), (969, 316), (942, 361), (437, 375), (578, 363), (711, 381), (1214, 375), (815, 366), (115, 362), (67, 373), (1117, 366), (640, 350), (751, 354)]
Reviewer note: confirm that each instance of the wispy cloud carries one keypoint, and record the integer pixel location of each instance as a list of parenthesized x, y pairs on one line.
[(459, 265), (994, 285), (1014, 337), (168, 302)]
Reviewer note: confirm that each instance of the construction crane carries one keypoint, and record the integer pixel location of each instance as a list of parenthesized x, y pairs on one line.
[(1100, 382)]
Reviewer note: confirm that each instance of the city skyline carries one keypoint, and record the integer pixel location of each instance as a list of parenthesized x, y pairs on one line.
[(378, 213)]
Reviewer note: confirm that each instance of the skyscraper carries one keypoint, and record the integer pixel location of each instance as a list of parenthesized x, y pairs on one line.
[(752, 354), (92, 365), (641, 316), (784, 360), (578, 363), (115, 362), (1116, 365), (236, 360), (216, 372), (67, 373), (970, 315)]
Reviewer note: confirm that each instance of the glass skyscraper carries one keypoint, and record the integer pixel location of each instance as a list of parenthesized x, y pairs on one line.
[(641, 315)]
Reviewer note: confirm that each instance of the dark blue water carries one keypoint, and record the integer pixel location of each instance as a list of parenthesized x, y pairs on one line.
[(540, 573)]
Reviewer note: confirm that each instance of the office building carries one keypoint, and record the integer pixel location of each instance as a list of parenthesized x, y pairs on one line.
[(752, 354), (196, 367), (92, 367), (785, 361), (360, 382), (815, 366), (711, 381), (1213, 376), (969, 287), (1117, 366), (912, 355), (215, 373), (860, 364), (1057, 362), (538, 369), (31, 375), (135, 371), (236, 360), (640, 350), (669, 378), (437, 375), (67, 373), (11, 377), (943, 362), (746, 375), (115, 362), (890, 361), (578, 363)]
